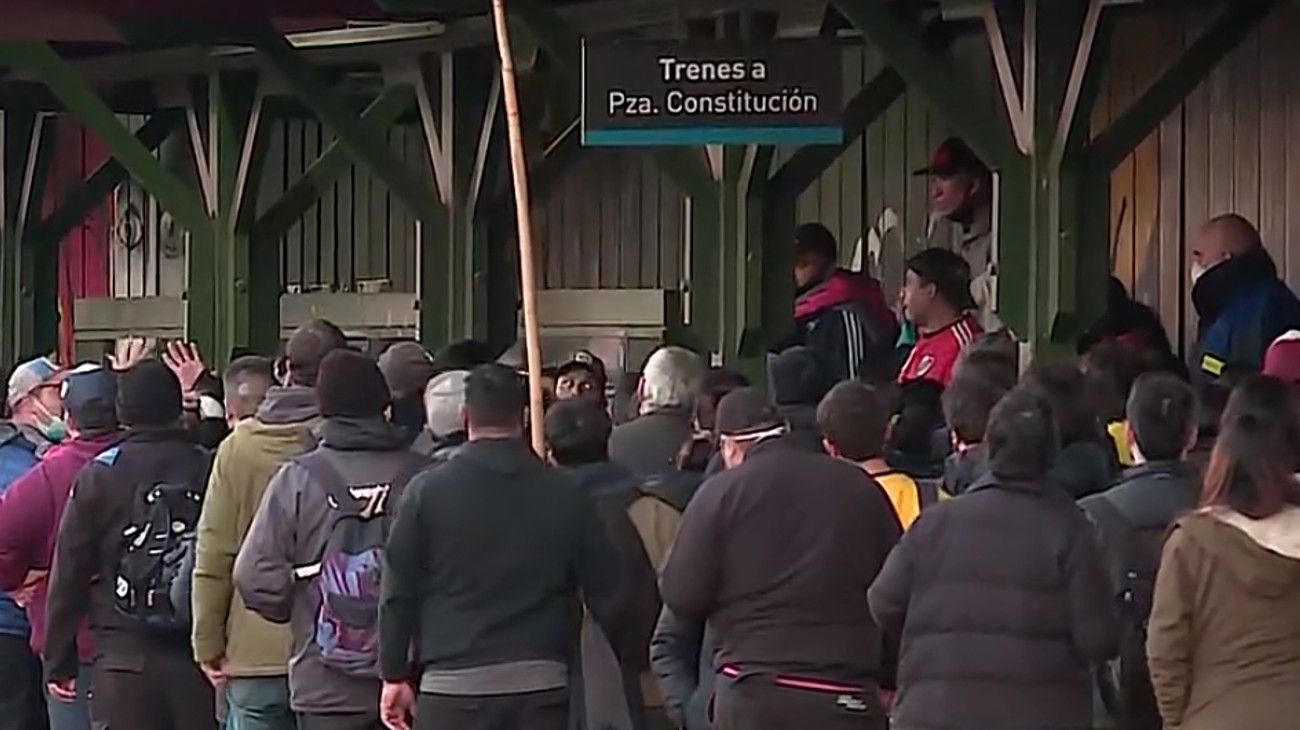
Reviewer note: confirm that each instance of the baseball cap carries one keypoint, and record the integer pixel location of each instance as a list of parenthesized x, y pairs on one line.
[(746, 413), (1282, 360), (90, 396), (951, 157), (29, 376), (443, 399)]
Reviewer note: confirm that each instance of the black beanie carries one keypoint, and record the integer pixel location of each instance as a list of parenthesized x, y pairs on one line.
[(148, 395), (350, 385)]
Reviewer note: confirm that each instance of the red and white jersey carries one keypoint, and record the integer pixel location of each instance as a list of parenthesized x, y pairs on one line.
[(935, 354)]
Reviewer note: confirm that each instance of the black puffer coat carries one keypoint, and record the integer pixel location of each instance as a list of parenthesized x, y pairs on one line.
[(1002, 601)]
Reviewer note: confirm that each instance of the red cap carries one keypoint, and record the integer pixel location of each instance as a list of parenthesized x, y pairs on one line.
[(953, 156), (1282, 361)]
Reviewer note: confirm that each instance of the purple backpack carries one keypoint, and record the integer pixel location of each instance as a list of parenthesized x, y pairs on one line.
[(352, 563)]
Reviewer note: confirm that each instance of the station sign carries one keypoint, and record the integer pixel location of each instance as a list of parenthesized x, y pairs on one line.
[(637, 92)]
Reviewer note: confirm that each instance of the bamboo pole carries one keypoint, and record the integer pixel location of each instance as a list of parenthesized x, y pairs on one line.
[(523, 219)]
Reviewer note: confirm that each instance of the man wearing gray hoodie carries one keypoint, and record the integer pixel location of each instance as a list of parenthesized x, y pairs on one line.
[(313, 554)]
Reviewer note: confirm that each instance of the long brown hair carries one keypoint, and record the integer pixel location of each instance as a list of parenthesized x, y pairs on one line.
[(1252, 468)]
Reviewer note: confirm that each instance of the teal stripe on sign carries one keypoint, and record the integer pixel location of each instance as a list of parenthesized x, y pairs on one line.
[(711, 135)]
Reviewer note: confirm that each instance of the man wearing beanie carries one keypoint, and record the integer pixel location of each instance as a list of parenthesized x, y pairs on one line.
[(407, 368), (235, 647), (444, 431), (301, 544), (143, 674), (815, 659), (33, 507), (488, 556)]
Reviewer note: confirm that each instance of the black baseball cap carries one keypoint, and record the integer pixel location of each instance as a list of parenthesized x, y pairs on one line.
[(953, 156)]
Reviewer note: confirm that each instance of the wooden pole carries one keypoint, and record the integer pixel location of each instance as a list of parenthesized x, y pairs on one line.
[(523, 219)]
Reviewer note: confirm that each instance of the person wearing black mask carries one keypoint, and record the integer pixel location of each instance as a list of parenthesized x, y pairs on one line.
[(1242, 304)]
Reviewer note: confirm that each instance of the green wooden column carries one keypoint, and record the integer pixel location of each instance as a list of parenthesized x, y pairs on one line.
[(463, 118), (28, 267)]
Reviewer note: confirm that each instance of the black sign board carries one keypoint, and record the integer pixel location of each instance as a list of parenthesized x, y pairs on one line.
[(668, 93)]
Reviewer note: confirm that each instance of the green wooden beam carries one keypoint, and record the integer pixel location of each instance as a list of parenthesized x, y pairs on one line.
[(563, 45), (39, 60), (869, 104), (1173, 86), (357, 137), (77, 203), (293, 204), (926, 72)]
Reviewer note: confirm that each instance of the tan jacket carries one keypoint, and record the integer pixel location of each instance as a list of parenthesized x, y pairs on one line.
[(223, 626), (1224, 637)]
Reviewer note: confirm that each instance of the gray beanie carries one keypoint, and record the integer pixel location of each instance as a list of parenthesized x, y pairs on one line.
[(443, 398)]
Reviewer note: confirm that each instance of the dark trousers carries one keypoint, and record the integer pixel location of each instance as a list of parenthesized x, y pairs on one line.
[(22, 686), (168, 692), (341, 722), (755, 703), (533, 711)]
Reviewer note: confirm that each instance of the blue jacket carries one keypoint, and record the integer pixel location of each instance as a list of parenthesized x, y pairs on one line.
[(17, 456), (1243, 307)]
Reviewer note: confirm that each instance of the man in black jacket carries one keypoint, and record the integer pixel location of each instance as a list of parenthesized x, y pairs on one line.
[(776, 554), (1133, 518), (483, 568), (577, 436), (144, 677), (1000, 596), (841, 315), (648, 444)]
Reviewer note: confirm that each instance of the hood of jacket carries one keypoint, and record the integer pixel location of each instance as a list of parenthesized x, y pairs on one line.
[(1217, 287), (74, 453), (361, 434), (603, 479), (1263, 556), (502, 456), (840, 288), (288, 404)]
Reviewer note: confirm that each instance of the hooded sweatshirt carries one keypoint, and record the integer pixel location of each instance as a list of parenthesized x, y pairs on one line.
[(846, 321), (1224, 636), (29, 523), (241, 471), (288, 538)]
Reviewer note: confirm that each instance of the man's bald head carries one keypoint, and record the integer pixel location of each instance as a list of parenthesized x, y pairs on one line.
[(1222, 238)]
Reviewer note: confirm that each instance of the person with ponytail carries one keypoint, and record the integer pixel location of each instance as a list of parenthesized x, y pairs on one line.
[(1223, 641)]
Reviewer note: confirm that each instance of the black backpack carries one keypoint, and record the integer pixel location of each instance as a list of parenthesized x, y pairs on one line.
[(155, 542), (1133, 558), (346, 630)]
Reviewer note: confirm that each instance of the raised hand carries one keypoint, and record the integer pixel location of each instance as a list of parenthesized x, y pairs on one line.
[(184, 359), (128, 352)]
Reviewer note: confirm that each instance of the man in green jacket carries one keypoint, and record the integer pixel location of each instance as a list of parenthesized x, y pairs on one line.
[(242, 654)]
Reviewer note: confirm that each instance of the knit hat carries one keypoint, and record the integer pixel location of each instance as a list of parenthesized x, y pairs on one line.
[(350, 385), (148, 394), (745, 413), (1282, 360), (90, 397), (443, 399), (29, 376), (407, 368)]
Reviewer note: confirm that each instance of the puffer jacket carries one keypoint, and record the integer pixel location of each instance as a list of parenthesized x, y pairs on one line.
[(1002, 603), (244, 465), (1224, 637)]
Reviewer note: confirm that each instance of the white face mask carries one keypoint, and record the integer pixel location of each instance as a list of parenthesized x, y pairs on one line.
[(1199, 269)]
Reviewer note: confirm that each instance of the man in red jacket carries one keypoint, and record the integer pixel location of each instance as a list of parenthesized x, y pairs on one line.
[(33, 507)]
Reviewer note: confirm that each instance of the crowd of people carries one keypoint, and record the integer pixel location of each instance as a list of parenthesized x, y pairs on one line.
[(905, 526)]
